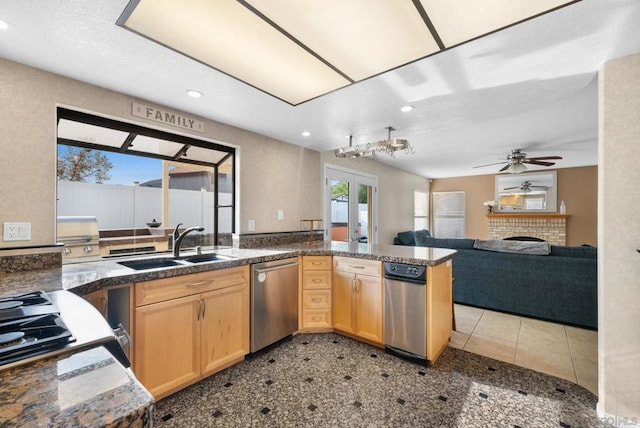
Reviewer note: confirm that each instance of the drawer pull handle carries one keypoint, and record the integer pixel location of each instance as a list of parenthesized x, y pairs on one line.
[(316, 263), (316, 299), (316, 318), (357, 267), (316, 280), (201, 283)]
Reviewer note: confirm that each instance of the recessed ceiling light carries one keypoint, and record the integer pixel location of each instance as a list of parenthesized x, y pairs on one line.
[(3, 25), (406, 108), (193, 93), (306, 134)]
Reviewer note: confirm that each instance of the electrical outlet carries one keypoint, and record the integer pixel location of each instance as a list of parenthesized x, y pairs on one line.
[(16, 232), (280, 214), (252, 225)]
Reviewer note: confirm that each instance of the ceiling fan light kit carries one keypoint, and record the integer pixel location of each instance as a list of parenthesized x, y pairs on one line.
[(388, 146), (516, 168)]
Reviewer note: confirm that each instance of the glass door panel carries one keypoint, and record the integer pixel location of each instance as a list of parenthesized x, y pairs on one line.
[(339, 225), (365, 225)]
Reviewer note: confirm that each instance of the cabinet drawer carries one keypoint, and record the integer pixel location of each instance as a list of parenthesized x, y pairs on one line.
[(316, 279), (316, 318), (316, 299), (354, 265), (179, 286), (316, 263)]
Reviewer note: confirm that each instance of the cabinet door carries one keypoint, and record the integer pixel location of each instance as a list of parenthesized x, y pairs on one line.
[(98, 299), (342, 301), (166, 345), (225, 327), (368, 308)]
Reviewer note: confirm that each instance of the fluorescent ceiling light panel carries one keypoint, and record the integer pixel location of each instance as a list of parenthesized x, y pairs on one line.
[(229, 37), (462, 20), (360, 38), (297, 50)]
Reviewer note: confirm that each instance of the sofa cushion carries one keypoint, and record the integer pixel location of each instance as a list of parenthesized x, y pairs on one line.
[(409, 237), (517, 247), (453, 243), (584, 251)]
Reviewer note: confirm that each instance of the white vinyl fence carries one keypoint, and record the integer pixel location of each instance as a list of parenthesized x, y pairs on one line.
[(340, 214), (119, 206)]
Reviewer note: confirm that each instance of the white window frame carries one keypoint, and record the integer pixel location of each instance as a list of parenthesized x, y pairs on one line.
[(451, 212), (420, 213)]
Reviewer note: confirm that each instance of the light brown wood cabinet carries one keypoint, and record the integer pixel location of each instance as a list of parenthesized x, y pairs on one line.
[(439, 309), (188, 327), (98, 299), (357, 298), (315, 309)]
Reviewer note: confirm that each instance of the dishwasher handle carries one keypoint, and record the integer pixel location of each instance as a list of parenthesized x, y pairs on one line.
[(408, 280), (269, 269)]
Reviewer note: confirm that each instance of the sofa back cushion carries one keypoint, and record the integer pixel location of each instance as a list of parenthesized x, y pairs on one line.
[(584, 251), (409, 237)]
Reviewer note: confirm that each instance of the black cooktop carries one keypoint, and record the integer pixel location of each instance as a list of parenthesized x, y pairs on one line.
[(30, 324)]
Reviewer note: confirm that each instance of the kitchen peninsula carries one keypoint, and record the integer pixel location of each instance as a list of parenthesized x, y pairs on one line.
[(85, 278)]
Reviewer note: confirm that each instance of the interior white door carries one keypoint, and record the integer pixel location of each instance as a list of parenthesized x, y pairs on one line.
[(350, 206)]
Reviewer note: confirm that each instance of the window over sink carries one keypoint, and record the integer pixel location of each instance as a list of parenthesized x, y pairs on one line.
[(139, 183)]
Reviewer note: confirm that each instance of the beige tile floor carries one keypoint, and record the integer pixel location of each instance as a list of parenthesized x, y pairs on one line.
[(567, 352)]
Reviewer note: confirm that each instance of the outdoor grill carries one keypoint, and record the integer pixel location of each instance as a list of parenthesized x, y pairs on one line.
[(80, 237)]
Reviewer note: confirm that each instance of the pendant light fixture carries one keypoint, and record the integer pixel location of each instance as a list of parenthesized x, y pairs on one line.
[(388, 146)]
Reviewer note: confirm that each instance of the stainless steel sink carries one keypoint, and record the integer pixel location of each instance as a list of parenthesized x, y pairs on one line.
[(147, 264), (202, 258)]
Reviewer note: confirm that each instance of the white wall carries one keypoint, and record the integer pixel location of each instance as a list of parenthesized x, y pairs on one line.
[(618, 238)]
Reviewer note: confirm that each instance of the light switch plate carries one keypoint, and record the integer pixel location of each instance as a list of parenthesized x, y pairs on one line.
[(16, 232)]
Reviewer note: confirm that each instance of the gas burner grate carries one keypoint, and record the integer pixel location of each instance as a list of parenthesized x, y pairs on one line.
[(26, 305)]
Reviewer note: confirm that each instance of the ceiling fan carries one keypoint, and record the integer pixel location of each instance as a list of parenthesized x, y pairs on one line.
[(525, 186), (517, 158)]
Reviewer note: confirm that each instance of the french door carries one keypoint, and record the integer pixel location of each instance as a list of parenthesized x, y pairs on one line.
[(350, 206)]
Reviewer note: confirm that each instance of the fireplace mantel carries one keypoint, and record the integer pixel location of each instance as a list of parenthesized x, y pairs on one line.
[(551, 227), (519, 215)]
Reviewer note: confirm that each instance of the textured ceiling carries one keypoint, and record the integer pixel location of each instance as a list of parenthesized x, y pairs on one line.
[(532, 86)]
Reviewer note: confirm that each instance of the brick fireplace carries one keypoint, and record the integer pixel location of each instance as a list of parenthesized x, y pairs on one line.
[(550, 227)]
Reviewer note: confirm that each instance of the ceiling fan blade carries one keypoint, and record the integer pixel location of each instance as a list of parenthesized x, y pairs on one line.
[(536, 162), (545, 157), (506, 167), (489, 164), (514, 187)]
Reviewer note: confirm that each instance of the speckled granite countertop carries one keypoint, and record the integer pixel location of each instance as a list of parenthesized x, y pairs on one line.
[(89, 388), (83, 278)]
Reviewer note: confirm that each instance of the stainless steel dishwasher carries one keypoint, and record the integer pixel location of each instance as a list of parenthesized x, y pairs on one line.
[(405, 314), (274, 301)]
